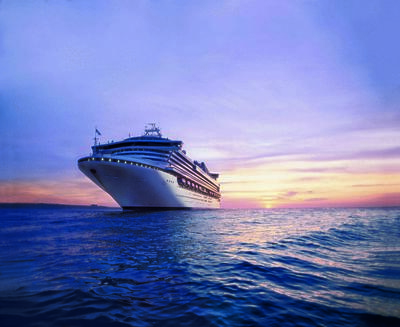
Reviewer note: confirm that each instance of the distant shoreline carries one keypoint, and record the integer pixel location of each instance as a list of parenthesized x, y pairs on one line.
[(51, 205)]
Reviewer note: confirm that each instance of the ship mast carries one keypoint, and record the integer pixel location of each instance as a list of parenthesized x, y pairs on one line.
[(96, 132)]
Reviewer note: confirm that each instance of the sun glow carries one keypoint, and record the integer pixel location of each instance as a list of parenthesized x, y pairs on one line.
[(268, 205), (308, 184)]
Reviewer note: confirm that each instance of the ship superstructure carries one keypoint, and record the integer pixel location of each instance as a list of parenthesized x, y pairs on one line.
[(151, 171)]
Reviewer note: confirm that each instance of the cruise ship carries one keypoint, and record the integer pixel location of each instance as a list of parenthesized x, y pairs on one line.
[(151, 172)]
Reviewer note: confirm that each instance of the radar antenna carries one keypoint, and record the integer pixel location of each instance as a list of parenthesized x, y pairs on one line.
[(152, 130)]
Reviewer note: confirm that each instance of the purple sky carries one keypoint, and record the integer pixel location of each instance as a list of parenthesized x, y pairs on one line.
[(249, 86)]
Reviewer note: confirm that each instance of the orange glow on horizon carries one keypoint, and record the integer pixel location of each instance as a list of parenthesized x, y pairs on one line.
[(74, 192), (82, 192), (314, 184), (269, 185)]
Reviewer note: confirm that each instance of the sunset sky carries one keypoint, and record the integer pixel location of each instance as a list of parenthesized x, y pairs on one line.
[(294, 103)]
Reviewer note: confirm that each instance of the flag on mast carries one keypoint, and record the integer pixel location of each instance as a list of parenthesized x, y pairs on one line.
[(97, 132)]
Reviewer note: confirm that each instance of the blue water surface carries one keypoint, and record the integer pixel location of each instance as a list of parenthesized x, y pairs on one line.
[(88, 266)]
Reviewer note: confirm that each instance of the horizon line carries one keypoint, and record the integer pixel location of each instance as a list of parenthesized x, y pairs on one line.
[(236, 208)]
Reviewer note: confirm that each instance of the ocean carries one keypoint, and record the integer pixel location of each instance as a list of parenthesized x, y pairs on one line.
[(93, 266)]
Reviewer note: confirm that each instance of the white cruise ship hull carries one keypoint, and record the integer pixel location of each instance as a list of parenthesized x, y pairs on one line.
[(135, 186)]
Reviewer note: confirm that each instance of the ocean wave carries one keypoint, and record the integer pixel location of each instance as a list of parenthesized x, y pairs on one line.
[(81, 267)]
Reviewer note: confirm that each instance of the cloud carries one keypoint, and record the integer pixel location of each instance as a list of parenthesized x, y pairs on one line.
[(290, 194), (376, 200), (316, 199), (392, 152), (315, 170), (375, 185)]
